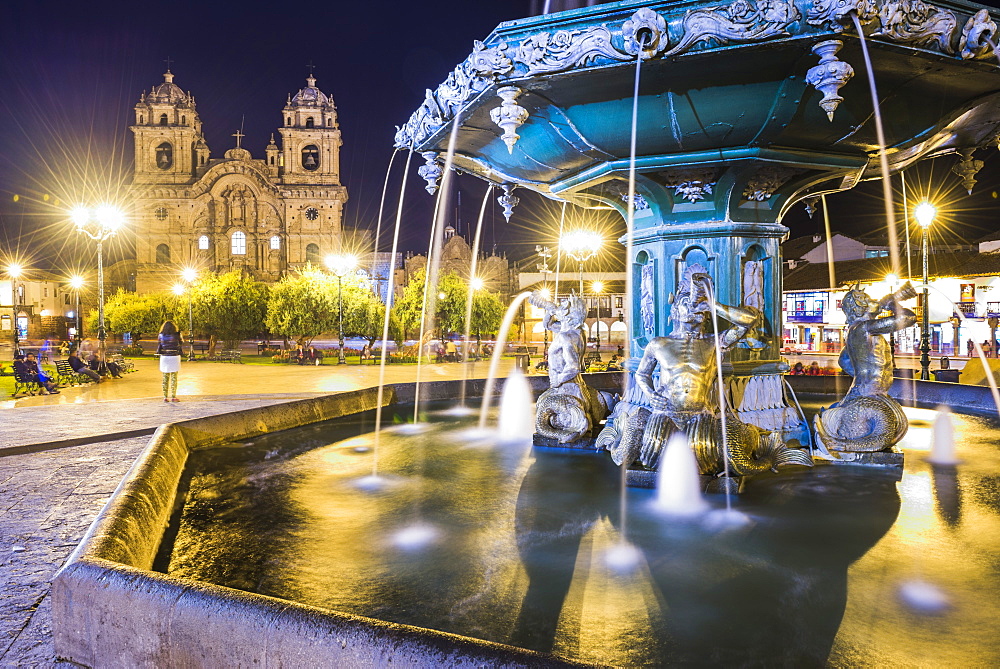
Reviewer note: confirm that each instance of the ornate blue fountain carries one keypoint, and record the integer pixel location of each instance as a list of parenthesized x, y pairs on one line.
[(743, 109)]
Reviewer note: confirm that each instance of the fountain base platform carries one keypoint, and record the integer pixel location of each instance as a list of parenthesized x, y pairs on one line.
[(586, 443), (877, 459)]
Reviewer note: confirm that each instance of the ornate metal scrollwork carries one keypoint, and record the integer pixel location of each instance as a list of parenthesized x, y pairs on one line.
[(638, 202), (740, 21), (829, 75), (509, 115), (546, 53), (978, 36), (967, 168), (508, 201), (837, 13), (915, 22), (768, 179), (645, 34), (431, 171), (693, 184), (810, 204)]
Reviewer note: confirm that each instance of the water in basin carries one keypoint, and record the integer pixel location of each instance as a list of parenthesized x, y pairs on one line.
[(840, 565)]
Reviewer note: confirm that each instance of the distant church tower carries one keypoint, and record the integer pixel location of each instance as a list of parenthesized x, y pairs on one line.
[(263, 217)]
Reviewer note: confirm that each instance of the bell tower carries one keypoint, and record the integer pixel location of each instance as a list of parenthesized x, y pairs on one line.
[(169, 146), (310, 138)]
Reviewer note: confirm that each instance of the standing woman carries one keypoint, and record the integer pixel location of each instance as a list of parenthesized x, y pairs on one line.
[(169, 349)]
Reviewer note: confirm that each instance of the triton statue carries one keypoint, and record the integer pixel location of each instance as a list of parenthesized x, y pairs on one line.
[(569, 409), (867, 419), (685, 396)]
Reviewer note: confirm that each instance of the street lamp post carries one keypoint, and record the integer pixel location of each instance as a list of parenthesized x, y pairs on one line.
[(189, 274), (76, 282), (544, 253), (891, 279), (924, 213), (100, 224), (598, 287), (14, 272), (340, 265), (581, 245)]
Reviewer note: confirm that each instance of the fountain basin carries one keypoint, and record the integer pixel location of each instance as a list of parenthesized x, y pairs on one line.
[(111, 606)]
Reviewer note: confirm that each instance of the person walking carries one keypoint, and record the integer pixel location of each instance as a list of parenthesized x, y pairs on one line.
[(169, 350)]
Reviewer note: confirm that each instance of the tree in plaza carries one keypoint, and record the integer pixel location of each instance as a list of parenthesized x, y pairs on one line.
[(135, 314), (487, 313), (450, 296), (364, 312), (406, 309), (230, 307), (303, 306)]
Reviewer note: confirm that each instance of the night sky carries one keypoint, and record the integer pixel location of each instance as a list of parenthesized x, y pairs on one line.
[(70, 74)]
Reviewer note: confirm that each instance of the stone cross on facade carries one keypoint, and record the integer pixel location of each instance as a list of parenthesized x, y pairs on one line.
[(239, 136), (311, 67), (168, 60)]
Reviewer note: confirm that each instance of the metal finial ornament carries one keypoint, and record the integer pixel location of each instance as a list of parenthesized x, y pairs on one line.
[(810, 204), (508, 201), (967, 168), (829, 75), (509, 115), (431, 171)]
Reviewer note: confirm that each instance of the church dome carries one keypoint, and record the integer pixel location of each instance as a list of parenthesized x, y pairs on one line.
[(167, 92), (310, 96)]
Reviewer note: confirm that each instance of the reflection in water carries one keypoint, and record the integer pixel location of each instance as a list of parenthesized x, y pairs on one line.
[(516, 545)]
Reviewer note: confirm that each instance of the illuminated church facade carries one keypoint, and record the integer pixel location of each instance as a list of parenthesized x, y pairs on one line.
[(264, 217)]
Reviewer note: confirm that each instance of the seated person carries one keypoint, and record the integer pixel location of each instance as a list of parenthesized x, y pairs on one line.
[(300, 356), (28, 366), (614, 364), (102, 367), (316, 357), (80, 367)]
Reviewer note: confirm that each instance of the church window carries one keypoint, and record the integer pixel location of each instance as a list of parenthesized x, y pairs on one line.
[(310, 157), (239, 245), (275, 242), (272, 160), (329, 122), (184, 120), (162, 254), (288, 120), (164, 156), (203, 243), (160, 213), (309, 122), (142, 119), (163, 119), (312, 254)]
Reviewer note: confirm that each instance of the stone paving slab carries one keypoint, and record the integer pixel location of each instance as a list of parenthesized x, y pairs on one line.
[(47, 502)]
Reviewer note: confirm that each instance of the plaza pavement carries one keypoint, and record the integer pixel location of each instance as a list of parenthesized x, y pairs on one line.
[(61, 457)]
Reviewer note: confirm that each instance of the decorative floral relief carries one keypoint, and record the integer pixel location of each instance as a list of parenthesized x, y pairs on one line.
[(768, 179), (740, 21), (645, 33), (546, 53), (837, 13), (692, 184), (917, 23), (638, 202)]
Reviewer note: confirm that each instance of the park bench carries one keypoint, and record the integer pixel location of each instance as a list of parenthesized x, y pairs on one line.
[(125, 365), (231, 356), (26, 383), (66, 376)]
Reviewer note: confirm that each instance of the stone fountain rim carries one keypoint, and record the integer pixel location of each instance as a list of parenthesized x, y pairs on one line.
[(109, 607)]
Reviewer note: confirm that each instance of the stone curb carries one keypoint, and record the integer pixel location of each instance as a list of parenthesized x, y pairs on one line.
[(75, 441)]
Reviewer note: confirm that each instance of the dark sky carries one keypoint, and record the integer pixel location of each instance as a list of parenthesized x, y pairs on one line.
[(70, 74)]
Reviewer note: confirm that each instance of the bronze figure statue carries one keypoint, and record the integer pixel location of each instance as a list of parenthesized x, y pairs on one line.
[(867, 419), (569, 409)]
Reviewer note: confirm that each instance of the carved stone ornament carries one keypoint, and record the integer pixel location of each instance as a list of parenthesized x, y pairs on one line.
[(917, 23), (472, 76), (430, 172), (967, 168), (768, 179), (837, 13), (693, 184), (508, 201), (977, 34), (740, 21), (810, 204), (829, 75), (638, 202), (645, 34), (509, 115), (546, 53)]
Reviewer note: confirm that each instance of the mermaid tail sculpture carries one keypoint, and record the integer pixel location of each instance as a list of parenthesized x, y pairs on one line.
[(569, 409), (867, 419)]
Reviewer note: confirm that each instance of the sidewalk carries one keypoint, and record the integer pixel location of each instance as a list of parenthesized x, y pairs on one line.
[(133, 405)]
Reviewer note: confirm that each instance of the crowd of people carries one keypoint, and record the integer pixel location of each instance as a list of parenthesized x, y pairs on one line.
[(90, 364), (813, 369)]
